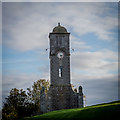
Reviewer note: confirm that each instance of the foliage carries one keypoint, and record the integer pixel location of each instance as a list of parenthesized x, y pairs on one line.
[(17, 103), (95, 112), (34, 94), (21, 103), (9, 113)]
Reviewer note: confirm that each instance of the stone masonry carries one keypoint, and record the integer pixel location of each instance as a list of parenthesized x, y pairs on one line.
[(60, 94)]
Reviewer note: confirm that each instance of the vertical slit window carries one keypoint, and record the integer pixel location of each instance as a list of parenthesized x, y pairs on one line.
[(56, 40), (60, 41), (60, 72)]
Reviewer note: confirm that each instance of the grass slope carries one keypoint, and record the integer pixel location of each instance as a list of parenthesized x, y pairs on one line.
[(96, 112)]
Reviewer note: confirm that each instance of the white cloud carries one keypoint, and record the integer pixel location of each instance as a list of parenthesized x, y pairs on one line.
[(15, 79), (78, 44), (29, 24), (94, 57), (96, 64)]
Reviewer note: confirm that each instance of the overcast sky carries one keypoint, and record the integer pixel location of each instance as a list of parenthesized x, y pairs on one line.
[(93, 28)]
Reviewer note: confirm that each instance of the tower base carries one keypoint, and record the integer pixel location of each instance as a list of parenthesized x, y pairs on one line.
[(62, 97)]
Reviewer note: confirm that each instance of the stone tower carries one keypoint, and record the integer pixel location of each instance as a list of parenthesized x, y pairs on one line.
[(59, 56), (60, 94)]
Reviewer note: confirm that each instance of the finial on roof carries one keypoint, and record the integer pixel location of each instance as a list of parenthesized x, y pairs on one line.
[(59, 24)]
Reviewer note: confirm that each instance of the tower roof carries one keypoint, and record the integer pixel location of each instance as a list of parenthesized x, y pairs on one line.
[(59, 29)]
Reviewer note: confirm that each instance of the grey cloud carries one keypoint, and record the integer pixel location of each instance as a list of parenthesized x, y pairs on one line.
[(30, 23), (99, 90)]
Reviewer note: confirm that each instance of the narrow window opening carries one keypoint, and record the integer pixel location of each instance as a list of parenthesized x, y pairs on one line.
[(60, 72), (56, 40), (62, 39), (59, 42)]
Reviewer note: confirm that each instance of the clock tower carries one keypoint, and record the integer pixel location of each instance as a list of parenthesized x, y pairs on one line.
[(59, 56), (60, 94)]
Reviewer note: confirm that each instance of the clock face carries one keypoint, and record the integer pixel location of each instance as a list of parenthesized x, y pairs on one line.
[(60, 55)]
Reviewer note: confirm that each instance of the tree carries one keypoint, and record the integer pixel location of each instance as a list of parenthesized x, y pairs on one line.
[(17, 98), (34, 94), (21, 104), (9, 113), (18, 103)]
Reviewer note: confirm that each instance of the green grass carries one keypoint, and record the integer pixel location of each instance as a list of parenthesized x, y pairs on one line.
[(104, 111)]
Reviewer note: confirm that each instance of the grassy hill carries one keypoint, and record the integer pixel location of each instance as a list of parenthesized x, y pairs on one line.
[(104, 111)]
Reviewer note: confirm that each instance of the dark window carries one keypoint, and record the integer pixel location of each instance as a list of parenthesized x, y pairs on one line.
[(56, 40)]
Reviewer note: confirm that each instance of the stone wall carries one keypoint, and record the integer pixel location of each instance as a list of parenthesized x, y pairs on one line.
[(61, 97)]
